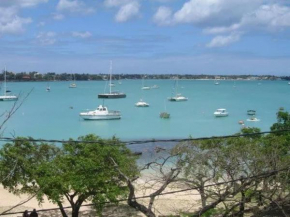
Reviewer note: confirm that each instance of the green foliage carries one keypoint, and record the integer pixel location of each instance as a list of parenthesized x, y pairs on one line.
[(76, 172)]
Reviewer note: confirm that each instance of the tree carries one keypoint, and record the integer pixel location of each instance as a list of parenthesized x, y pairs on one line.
[(77, 172)]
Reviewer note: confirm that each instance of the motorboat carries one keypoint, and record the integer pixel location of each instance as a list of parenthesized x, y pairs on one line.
[(6, 97), (177, 98), (221, 113), (253, 119), (111, 94), (101, 113), (251, 112), (141, 103), (146, 88)]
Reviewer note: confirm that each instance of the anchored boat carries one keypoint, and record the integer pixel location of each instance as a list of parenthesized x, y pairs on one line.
[(101, 113)]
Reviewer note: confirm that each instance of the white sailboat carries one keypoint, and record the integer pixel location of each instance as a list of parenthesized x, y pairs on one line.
[(177, 97), (73, 84), (6, 97), (144, 87), (48, 88), (111, 94)]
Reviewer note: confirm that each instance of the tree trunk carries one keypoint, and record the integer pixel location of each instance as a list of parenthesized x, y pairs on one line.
[(202, 196), (242, 205), (62, 209), (75, 210)]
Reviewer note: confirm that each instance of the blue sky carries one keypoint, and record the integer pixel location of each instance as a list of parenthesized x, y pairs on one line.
[(146, 36)]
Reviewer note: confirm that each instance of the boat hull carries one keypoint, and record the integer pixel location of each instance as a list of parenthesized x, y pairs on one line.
[(111, 96), (100, 117), (177, 99), (221, 115), (8, 98)]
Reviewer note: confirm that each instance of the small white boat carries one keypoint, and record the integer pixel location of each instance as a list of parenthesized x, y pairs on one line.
[(146, 88), (288, 83), (6, 97), (253, 119), (101, 113), (221, 113), (155, 87), (48, 88), (112, 85), (72, 85), (177, 98), (141, 103)]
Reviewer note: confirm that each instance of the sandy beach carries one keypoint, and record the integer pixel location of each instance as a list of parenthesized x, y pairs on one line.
[(164, 205)]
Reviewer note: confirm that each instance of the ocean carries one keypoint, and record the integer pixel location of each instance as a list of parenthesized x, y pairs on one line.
[(55, 114)]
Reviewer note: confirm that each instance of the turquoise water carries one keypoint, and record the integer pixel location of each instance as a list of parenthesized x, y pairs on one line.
[(48, 114)]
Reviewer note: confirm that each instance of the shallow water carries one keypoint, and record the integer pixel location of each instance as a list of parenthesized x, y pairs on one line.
[(49, 115)]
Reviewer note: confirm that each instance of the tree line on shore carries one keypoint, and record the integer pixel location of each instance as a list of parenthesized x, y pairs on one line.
[(52, 76), (246, 174)]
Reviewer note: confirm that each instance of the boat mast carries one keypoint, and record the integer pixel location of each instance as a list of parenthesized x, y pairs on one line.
[(5, 81), (111, 69)]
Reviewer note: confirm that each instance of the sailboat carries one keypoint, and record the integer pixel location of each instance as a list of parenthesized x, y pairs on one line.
[(144, 87), (73, 84), (164, 114), (119, 82), (48, 88), (177, 97), (141, 103), (6, 97), (112, 94)]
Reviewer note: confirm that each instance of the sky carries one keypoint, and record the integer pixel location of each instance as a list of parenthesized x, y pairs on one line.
[(146, 36)]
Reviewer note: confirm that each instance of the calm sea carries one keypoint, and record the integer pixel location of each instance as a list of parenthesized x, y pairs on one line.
[(55, 114)]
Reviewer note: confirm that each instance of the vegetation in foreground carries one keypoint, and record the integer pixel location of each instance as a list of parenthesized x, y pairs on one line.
[(239, 176)]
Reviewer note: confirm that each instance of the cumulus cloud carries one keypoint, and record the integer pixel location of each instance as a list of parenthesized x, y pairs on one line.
[(127, 9), (228, 17), (163, 16), (74, 6), (10, 22), (127, 12), (221, 41), (82, 34), (46, 38)]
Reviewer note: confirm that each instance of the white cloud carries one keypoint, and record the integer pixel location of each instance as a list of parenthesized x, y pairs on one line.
[(82, 34), (127, 12), (58, 16), (228, 16), (74, 6), (116, 3), (46, 38), (214, 12), (268, 15), (21, 3), (163, 16), (10, 22), (220, 41)]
